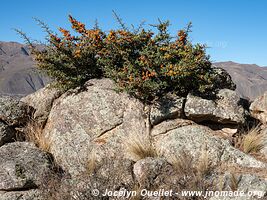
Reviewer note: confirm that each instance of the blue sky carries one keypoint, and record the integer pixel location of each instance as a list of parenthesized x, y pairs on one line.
[(234, 30)]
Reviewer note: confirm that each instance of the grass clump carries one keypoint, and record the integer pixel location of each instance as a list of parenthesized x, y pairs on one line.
[(33, 132), (253, 141), (144, 63), (139, 147), (193, 174)]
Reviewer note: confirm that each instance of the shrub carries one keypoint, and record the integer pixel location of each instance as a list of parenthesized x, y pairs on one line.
[(144, 63), (70, 60), (148, 66)]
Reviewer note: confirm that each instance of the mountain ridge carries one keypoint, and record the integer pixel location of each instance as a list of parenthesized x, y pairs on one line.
[(250, 79), (18, 75)]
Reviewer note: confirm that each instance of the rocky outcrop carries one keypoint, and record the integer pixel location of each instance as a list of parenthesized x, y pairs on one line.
[(90, 129), (98, 118), (150, 170), (42, 101), (168, 107), (12, 111), (248, 187), (197, 139), (258, 108), (24, 168), (22, 195), (223, 79), (226, 109)]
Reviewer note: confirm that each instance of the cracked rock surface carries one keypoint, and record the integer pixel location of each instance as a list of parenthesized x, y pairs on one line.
[(13, 111), (23, 169), (89, 129), (226, 109), (195, 139), (97, 119)]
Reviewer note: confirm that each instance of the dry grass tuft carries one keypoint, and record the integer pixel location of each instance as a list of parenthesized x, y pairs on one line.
[(253, 141), (139, 147), (221, 183), (182, 163), (34, 133), (192, 175), (204, 166), (92, 162), (234, 182)]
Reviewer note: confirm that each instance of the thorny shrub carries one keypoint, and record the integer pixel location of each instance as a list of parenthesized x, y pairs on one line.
[(144, 63)]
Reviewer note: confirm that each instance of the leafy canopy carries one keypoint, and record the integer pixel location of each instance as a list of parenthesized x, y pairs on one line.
[(144, 63)]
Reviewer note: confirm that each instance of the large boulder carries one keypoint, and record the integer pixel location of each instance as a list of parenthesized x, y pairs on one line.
[(197, 139), (23, 167), (12, 111), (7, 134), (226, 109), (258, 108), (168, 107), (97, 119), (42, 101), (111, 175)]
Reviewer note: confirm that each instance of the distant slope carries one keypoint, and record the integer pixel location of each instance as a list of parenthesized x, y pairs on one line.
[(250, 79), (18, 76)]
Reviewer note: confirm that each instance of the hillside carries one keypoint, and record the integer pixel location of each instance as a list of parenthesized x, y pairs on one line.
[(250, 79), (17, 73)]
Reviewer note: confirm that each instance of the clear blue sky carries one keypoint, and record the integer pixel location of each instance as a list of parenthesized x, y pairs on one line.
[(233, 29)]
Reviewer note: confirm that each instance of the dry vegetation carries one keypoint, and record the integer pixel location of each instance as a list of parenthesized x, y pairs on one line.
[(251, 141), (34, 133), (92, 162), (192, 175), (186, 173), (140, 146), (233, 182)]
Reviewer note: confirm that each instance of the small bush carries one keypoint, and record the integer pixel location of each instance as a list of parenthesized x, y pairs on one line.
[(144, 63)]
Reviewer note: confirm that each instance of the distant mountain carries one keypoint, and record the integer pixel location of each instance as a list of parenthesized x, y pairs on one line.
[(250, 79), (18, 76)]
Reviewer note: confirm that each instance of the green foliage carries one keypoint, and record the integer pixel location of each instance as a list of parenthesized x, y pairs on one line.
[(148, 66), (70, 60), (144, 63)]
